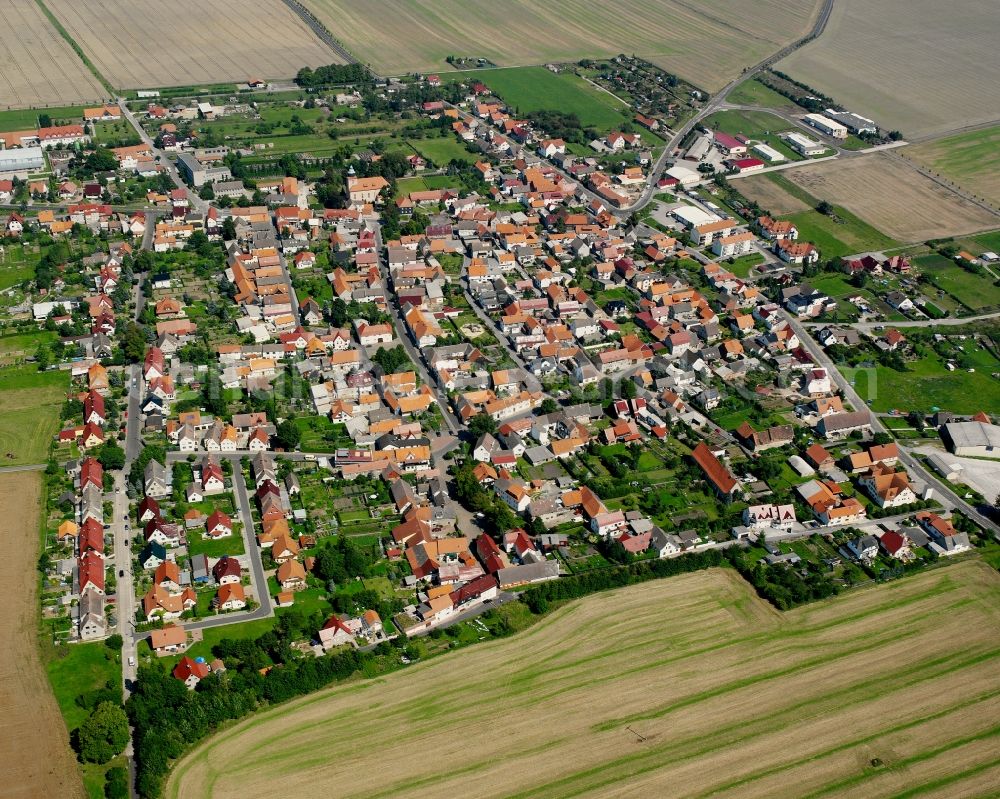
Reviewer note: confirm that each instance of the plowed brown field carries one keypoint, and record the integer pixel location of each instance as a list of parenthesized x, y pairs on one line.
[(34, 744)]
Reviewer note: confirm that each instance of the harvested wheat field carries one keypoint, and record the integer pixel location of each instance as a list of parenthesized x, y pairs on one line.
[(889, 194), (34, 744), (707, 43), (144, 43), (768, 193), (37, 66), (686, 686), (920, 66)]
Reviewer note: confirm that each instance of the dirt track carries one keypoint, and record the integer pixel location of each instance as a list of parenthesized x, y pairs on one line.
[(34, 746), (683, 687)]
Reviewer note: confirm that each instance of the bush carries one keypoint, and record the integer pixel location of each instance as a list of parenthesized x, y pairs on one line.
[(116, 783)]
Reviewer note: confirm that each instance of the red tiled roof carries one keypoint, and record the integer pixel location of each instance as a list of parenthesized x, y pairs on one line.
[(716, 473)]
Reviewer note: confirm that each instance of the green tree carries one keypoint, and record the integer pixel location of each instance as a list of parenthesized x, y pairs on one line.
[(111, 456), (481, 424), (133, 342), (104, 734), (549, 405), (213, 395), (101, 160), (392, 360), (288, 435)]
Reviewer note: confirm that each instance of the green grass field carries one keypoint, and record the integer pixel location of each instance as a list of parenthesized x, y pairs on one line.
[(691, 680), (76, 669), (928, 384), (988, 241), (971, 160), (27, 118), (16, 266), (406, 185), (528, 89), (442, 151), (753, 92), (977, 292), (21, 345), (30, 402), (115, 134), (757, 125), (838, 286), (837, 238)]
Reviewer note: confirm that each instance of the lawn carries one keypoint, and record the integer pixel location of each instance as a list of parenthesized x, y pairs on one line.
[(839, 287), (988, 241), (405, 186), (319, 434), (30, 404), (700, 684), (977, 292), (212, 636), (199, 544), (753, 92), (77, 669), (527, 89), (741, 266), (115, 134), (442, 151)]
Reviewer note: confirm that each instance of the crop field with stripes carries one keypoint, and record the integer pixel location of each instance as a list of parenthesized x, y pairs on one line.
[(145, 43), (707, 43), (684, 687), (37, 66)]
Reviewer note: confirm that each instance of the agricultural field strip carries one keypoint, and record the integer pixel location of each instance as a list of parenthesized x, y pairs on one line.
[(972, 160), (882, 190), (864, 59), (34, 743), (224, 46), (821, 662), (27, 39), (708, 45)]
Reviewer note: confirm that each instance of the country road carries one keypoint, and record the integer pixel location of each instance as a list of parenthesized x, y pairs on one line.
[(715, 104)]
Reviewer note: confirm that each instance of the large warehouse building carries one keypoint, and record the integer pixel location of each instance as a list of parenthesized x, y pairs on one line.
[(972, 438), (21, 160)]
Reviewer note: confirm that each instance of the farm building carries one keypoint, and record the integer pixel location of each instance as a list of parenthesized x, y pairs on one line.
[(804, 145), (853, 122), (971, 438), (768, 153), (825, 125)]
